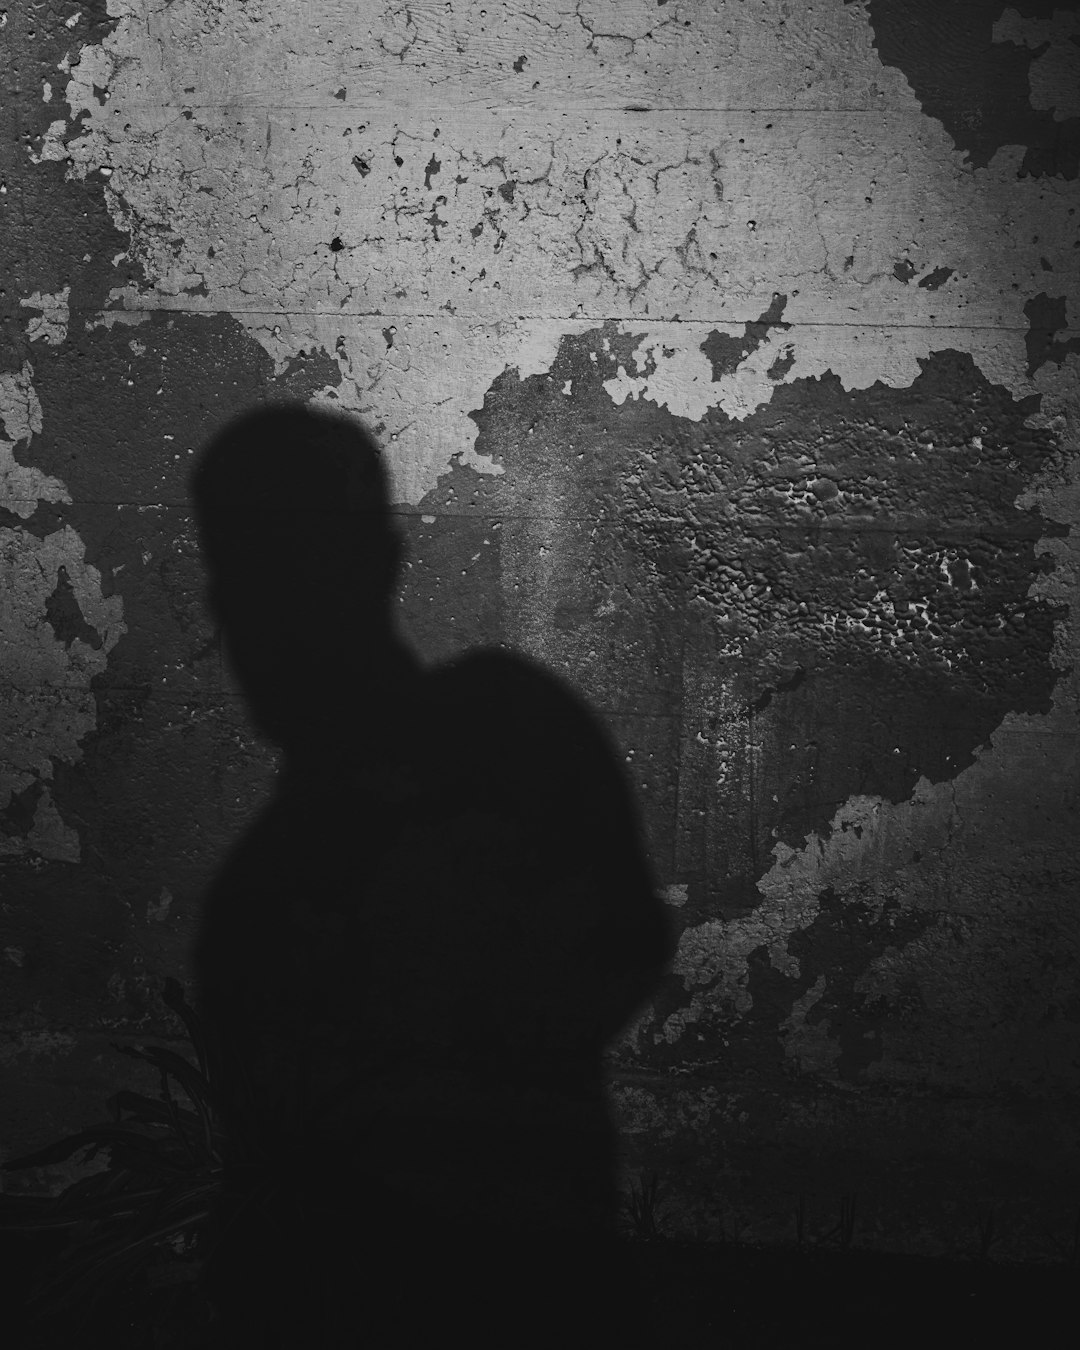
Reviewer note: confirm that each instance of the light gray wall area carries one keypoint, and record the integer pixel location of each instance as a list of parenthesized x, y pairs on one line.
[(724, 355)]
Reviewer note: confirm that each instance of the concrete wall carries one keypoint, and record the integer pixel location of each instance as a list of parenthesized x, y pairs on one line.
[(725, 355)]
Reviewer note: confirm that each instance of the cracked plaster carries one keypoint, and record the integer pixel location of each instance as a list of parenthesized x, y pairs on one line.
[(275, 161), (231, 169), (602, 219)]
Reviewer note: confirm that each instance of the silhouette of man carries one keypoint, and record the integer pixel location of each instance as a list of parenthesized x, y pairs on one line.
[(414, 958)]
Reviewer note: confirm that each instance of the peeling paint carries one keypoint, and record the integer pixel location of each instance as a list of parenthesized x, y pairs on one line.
[(979, 77), (51, 325), (48, 707), (1054, 74), (21, 485), (646, 230), (756, 417)]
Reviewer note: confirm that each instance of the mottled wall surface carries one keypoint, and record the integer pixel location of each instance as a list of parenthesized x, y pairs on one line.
[(725, 355)]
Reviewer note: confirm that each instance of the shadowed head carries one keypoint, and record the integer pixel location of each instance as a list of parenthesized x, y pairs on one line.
[(292, 506), (295, 490)]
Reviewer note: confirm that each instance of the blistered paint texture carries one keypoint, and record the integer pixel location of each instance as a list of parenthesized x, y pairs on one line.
[(845, 574), (725, 358)]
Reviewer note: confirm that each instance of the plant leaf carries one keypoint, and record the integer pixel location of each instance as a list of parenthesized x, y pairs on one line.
[(95, 1138), (83, 1273), (173, 997), (186, 1074), (87, 1209)]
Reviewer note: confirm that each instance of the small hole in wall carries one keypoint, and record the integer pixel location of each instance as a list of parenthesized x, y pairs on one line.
[(336, 244)]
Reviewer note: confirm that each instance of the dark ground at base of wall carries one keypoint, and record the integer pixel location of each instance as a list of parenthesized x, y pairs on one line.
[(743, 1298), (729, 1297)]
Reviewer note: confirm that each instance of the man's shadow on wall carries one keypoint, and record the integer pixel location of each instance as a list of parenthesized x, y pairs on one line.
[(414, 958)]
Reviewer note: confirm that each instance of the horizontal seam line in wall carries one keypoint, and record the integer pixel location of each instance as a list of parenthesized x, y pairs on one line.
[(208, 702), (573, 319), (765, 527), (456, 109)]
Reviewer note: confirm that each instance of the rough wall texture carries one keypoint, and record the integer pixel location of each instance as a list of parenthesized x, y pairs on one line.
[(726, 358)]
